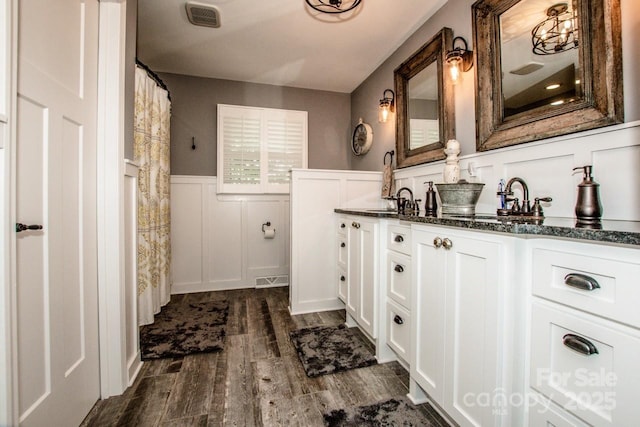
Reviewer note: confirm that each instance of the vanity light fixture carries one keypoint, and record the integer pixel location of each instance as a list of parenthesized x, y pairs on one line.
[(333, 6), (557, 33), (387, 106), (459, 59)]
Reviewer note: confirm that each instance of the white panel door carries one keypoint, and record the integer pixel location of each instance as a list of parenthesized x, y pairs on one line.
[(55, 186)]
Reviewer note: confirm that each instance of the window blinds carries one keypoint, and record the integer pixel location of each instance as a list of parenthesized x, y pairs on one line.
[(257, 147)]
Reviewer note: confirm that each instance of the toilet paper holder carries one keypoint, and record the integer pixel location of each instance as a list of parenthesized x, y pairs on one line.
[(266, 224)]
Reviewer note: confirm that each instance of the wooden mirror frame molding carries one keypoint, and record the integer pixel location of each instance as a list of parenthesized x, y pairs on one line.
[(434, 50), (600, 53)]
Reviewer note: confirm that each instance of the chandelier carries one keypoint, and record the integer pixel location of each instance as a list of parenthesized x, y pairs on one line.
[(333, 6), (557, 33)]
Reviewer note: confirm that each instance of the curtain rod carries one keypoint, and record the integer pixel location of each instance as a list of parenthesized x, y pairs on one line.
[(154, 76)]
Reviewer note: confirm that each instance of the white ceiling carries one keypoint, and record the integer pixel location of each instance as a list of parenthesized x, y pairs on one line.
[(278, 42)]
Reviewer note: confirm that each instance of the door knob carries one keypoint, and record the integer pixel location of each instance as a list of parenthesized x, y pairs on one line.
[(22, 227)]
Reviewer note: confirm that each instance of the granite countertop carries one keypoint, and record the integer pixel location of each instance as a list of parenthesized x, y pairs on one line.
[(620, 232)]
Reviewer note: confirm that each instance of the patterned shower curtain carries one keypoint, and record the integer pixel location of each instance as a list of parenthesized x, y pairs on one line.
[(151, 152)]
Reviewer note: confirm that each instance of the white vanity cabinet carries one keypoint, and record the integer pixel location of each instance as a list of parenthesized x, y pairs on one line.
[(362, 271), (459, 321), (584, 334)]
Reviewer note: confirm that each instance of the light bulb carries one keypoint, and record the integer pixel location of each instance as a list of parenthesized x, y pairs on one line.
[(454, 68)]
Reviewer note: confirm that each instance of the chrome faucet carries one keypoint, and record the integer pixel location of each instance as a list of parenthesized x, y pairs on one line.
[(404, 203)]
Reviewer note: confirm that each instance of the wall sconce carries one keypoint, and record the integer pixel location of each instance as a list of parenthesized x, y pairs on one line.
[(387, 106), (459, 59)]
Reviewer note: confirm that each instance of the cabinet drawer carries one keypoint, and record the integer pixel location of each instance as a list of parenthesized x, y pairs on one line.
[(342, 225), (543, 413), (605, 286), (342, 284), (343, 251), (399, 239), (399, 330), (600, 388), (399, 278)]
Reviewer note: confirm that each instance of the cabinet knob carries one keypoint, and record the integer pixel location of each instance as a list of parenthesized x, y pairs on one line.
[(342, 278), (343, 244), (343, 225), (437, 242), (579, 344), (448, 244), (355, 224), (399, 239), (581, 281), (398, 268), (398, 320)]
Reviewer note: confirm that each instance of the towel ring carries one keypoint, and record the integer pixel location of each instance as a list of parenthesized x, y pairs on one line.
[(388, 153)]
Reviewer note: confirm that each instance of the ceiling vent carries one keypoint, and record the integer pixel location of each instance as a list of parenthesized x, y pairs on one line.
[(203, 14), (527, 68)]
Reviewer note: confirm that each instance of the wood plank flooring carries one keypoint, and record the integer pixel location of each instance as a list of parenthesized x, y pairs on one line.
[(256, 381)]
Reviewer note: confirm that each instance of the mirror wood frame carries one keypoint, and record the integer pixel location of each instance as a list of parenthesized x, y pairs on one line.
[(600, 54), (434, 50)]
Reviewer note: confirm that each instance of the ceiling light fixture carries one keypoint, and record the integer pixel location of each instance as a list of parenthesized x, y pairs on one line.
[(333, 6), (460, 59), (557, 33), (387, 106)]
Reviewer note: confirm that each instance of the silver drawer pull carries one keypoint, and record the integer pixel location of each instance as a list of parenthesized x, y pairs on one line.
[(398, 268), (579, 344), (581, 281), (399, 239), (447, 244), (398, 320)]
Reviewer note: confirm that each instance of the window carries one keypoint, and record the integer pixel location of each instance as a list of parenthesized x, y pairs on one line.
[(257, 147)]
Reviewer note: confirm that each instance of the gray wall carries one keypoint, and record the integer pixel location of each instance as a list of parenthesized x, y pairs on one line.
[(193, 114), (456, 14)]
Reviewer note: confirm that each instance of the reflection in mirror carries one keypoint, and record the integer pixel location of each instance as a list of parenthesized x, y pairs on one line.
[(545, 68), (425, 112), (536, 70), (423, 108)]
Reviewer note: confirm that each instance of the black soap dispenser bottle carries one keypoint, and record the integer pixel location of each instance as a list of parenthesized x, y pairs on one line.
[(588, 206), (430, 205)]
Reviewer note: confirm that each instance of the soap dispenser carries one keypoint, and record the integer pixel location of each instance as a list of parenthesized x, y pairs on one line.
[(430, 205), (588, 206)]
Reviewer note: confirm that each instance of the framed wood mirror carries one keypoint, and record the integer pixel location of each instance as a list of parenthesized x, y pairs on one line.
[(425, 110), (545, 68)]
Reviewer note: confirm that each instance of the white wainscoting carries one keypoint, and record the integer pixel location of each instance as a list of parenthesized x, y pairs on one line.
[(547, 166), (314, 196), (217, 241), (132, 341)]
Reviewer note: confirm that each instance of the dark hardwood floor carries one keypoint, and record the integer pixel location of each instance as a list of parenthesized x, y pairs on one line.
[(256, 381)]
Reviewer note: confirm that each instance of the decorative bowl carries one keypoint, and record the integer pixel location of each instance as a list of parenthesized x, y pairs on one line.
[(459, 198)]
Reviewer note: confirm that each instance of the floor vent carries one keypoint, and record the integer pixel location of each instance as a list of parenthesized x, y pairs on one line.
[(203, 14), (272, 281)]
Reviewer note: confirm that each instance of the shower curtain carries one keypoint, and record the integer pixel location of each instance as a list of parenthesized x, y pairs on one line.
[(151, 153)]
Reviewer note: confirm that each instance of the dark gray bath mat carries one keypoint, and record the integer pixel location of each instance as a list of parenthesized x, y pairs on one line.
[(181, 329), (325, 350), (392, 412)]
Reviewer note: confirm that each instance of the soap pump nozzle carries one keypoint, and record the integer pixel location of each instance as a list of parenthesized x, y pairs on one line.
[(588, 206)]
